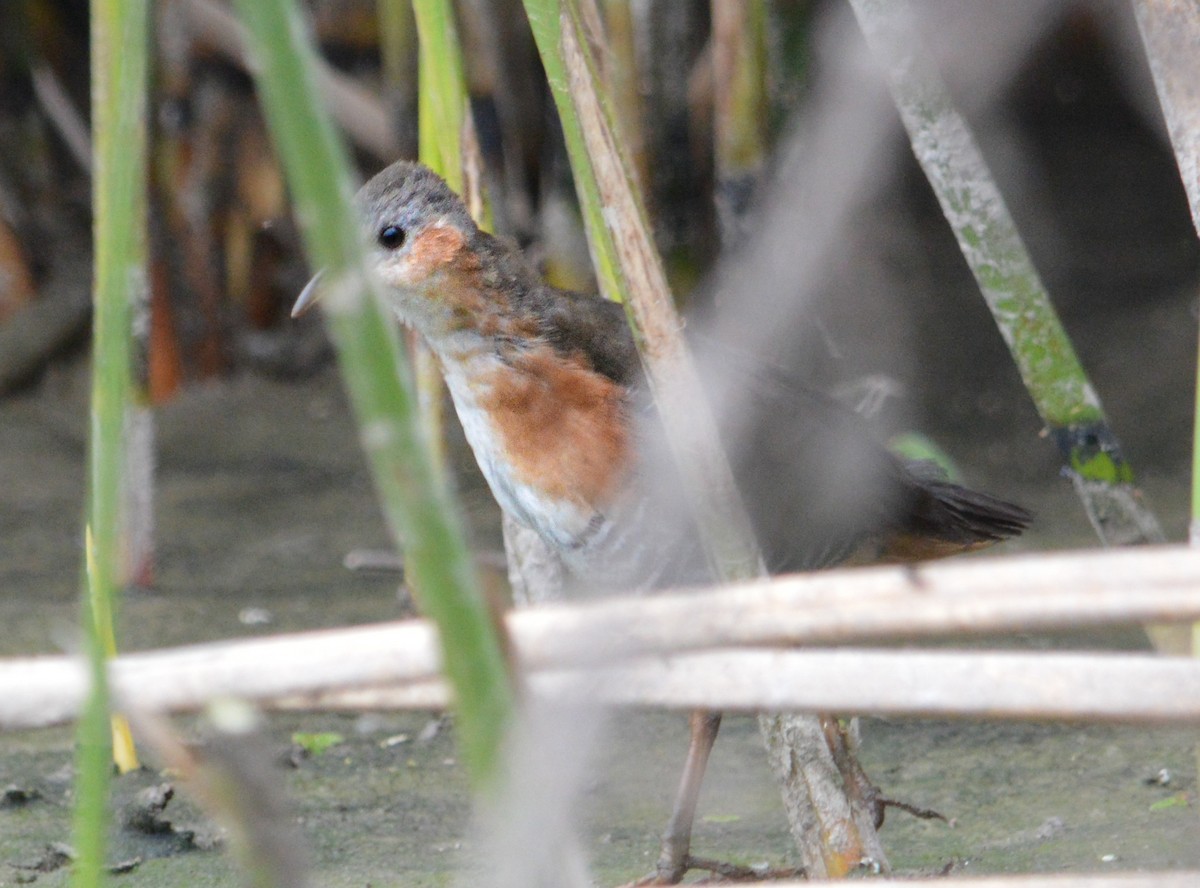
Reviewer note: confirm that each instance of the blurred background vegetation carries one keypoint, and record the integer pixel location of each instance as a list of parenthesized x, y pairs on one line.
[(1083, 163), (225, 263)]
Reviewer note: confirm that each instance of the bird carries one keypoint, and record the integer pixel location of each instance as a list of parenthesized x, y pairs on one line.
[(549, 389)]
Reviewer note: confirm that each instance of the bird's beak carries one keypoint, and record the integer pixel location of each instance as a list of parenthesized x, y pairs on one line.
[(308, 296)]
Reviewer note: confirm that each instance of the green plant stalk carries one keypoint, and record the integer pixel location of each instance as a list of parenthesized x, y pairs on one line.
[(397, 40), (119, 35), (443, 90), (93, 767), (398, 57), (992, 247), (544, 19), (442, 108), (415, 504)]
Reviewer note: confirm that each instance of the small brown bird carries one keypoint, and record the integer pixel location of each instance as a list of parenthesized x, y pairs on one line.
[(549, 389)]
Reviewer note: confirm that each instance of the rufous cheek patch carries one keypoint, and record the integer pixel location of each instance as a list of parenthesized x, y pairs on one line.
[(434, 249), (440, 259)]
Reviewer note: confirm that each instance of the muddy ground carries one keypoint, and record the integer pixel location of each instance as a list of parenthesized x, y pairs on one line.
[(263, 491)]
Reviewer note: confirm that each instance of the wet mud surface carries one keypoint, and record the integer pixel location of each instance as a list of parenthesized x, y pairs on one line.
[(374, 811)]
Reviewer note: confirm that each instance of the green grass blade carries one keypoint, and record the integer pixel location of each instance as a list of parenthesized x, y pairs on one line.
[(992, 247), (397, 41), (377, 376), (443, 90), (120, 34), (442, 108), (545, 18)]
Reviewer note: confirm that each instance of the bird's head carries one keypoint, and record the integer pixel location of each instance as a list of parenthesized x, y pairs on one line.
[(418, 237)]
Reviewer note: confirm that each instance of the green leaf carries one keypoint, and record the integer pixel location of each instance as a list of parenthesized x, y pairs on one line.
[(317, 743), (1179, 800)]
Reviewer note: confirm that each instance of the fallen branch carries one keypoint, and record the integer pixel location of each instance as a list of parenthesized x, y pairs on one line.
[(846, 606), (965, 597), (983, 684), (1119, 688)]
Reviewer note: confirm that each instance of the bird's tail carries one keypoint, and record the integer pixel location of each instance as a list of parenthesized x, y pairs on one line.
[(947, 518), (965, 515)]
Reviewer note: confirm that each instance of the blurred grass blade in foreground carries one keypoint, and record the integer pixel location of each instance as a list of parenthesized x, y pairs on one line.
[(1171, 34), (119, 33), (414, 501), (628, 268)]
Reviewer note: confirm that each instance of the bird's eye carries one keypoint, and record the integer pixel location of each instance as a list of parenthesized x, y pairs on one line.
[(391, 237)]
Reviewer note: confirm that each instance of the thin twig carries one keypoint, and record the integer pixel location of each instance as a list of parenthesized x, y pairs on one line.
[(65, 117)]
